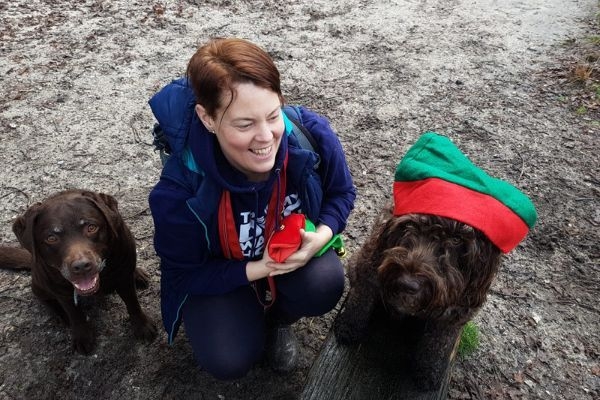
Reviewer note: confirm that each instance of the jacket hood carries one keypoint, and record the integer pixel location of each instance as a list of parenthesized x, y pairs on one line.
[(173, 108)]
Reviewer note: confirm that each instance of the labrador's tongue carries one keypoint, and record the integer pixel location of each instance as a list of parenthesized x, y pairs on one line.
[(86, 285)]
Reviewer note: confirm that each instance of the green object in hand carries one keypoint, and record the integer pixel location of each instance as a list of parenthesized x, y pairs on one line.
[(336, 242)]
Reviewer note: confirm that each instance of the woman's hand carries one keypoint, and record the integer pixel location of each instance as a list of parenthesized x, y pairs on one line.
[(312, 242), (259, 269)]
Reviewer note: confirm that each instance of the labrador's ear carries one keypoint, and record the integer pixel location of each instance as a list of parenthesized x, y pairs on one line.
[(23, 227), (109, 207), (108, 200)]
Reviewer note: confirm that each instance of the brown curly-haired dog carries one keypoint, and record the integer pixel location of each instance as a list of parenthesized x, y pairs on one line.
[(431, 270), (432, 256)]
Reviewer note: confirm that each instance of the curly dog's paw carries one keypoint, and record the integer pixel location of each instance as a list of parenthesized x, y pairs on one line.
[(347, 330), (429, 375)]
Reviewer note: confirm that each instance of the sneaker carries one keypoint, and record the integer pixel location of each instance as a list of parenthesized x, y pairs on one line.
[(282, 348)]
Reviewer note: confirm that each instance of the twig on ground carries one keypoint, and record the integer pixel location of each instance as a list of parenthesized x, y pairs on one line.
[(522, 167), (474, 389), (16, 190)]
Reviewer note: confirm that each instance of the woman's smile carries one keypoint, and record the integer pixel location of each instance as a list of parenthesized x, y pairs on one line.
[(262, 152)]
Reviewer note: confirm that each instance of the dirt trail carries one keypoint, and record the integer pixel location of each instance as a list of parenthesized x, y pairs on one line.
[(75, 77)]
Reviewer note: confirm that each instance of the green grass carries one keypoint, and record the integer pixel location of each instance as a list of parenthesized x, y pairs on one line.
[(594, 39), (469, 340)]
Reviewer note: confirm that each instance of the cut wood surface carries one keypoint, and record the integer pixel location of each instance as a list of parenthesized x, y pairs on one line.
[(376, 369)]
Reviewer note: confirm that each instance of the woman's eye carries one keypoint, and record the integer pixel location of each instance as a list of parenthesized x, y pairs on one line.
[(92, 228)]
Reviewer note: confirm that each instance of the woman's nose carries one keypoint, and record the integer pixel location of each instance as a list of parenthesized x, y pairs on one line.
[(264, 132)]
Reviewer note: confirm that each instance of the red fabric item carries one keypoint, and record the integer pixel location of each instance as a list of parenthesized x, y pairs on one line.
[(227, 230), (285, 241), (439, 197)]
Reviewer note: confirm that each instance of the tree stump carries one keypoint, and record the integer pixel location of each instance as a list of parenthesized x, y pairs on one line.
[(377, 369)]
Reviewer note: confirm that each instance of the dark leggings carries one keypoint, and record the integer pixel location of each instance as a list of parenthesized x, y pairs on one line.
[(227, 332)]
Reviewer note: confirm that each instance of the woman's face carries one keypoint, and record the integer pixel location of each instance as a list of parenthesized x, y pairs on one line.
[(249, 131)]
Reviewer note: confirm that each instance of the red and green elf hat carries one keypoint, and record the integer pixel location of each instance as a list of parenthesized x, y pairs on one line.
[(435, 177)]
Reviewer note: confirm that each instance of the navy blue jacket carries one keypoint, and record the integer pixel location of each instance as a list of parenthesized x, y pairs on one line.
[(185, 201)]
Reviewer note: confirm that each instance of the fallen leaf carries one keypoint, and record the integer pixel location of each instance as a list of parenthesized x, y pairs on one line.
[(519, 378)]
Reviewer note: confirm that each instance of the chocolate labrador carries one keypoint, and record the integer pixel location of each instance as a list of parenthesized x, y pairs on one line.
[(77, 244)]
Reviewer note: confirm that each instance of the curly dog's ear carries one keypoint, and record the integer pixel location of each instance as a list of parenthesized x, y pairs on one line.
[(23, 227), (109, 207)]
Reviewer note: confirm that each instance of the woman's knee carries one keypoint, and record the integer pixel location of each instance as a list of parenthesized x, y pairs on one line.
[(228, 355), (327, 276), (228, 366), (326, 294), (316, 290)]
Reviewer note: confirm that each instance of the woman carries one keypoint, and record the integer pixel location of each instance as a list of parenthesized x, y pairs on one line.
[(233, 174)]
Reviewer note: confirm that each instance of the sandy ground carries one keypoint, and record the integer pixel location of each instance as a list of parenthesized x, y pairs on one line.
[(75, 78)]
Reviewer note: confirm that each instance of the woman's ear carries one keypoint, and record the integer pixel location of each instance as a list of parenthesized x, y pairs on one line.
[(206, 119)]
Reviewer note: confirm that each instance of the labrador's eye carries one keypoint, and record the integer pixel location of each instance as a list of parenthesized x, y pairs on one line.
[(92, 228), (51, 239)]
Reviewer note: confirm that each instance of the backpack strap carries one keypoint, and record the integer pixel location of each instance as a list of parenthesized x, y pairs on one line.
[(305, 138), (302, 134)]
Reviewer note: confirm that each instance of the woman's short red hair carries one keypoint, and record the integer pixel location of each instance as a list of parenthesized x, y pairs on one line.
[(222, 63)]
